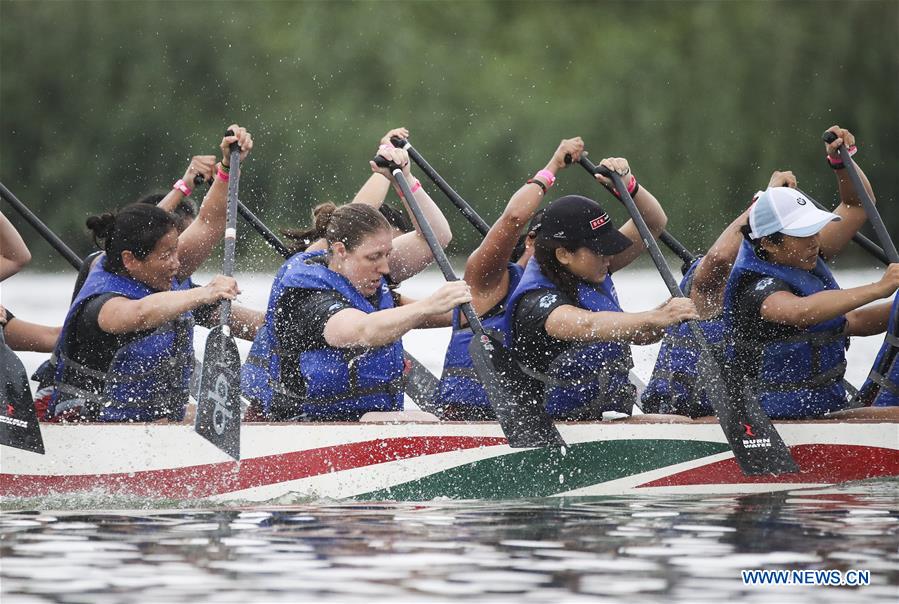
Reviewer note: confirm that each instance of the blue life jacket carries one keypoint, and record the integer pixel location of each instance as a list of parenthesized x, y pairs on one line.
[(254, 374), (799, 376), (147, 378), (339, 383), (672, 388), (585, 379), (459, 385), (883, 381)]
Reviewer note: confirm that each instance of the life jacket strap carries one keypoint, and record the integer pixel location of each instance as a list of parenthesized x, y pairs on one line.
[(465, 372), (392, 388), (689, 341), (884, 382), (602, 371), (682, 377), (829, 377)]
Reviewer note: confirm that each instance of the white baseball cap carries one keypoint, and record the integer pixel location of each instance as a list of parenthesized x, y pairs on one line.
[(785, 210)]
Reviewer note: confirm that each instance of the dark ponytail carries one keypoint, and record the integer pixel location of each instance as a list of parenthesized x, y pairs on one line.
[(303, 238), (349, 224), (137, 228), (775, 238), (545, 254), (397, 218)]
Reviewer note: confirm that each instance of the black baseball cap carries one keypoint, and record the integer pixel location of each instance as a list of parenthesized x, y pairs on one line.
[(578, 221)]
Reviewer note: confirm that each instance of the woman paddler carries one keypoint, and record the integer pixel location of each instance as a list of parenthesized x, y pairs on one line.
[(493, 271), (881, 389), (126, 348), (787, 322), (564, 323), (330, 349), (675, 386)]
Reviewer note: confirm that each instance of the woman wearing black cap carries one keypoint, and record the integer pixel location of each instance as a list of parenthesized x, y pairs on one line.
[(564, 323), (493, 270)]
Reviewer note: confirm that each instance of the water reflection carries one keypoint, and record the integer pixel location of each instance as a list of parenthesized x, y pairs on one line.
[(561, 550)]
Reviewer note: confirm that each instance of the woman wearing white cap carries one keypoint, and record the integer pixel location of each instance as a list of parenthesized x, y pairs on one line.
[(787, 321)]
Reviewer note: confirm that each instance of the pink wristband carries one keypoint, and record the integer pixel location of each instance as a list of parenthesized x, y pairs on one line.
[(182, 186), (222, 175), (546, 175), (632, 185), (415, 187)]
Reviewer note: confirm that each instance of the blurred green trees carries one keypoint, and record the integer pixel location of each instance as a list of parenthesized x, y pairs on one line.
[(101, 102)]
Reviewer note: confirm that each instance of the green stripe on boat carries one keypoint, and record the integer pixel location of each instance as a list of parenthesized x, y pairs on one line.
[(545, 472)]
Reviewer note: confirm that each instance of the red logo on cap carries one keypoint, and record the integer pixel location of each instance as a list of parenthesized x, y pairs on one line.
[(598, 222)]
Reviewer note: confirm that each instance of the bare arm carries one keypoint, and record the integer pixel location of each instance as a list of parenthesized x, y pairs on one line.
[(788, 309), (14, 254), (123, 315), (649, 208), (197, 241), (439, 320), (868, 321), (203, 165), (486, 270), (245, 322), (570, 323), (710, 276), (351, 328), (375, 189), (33, 337), (411, 253), (836, 235)]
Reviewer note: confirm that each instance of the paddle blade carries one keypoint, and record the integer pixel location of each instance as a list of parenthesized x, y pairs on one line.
[(758, 448), (524, 421), (218, 404), (421, 385), (18, 419)]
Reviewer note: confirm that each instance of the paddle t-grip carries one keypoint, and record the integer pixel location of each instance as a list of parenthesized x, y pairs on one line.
[(594, 169), (399, 143), (383, 162), (829, 137), (568, 159)]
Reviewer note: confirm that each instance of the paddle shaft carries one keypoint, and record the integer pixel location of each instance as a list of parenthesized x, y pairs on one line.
[(51, 237), (439, 255), (862, 241), (230, 228), (677, 247), (874, 218), (524, 422), (466, 210), (733, 414)]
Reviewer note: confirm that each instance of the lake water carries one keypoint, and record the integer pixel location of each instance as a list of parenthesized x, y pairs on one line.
[(97, 549)]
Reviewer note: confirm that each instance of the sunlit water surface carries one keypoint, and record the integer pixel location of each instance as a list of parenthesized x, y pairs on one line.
[(96, 549)]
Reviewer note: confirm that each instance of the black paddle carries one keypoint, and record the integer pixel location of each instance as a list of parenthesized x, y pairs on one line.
[(756, 445), (524, 422), (19, 427), (218, 405), (860, 240), (41, 228), (422, 385), (454, 197), (874, 218)]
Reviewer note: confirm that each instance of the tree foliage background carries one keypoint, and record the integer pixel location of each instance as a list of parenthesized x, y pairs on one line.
[(101, 101)]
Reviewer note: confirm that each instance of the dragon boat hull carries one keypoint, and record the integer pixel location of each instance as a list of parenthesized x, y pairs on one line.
[(422, 461)]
